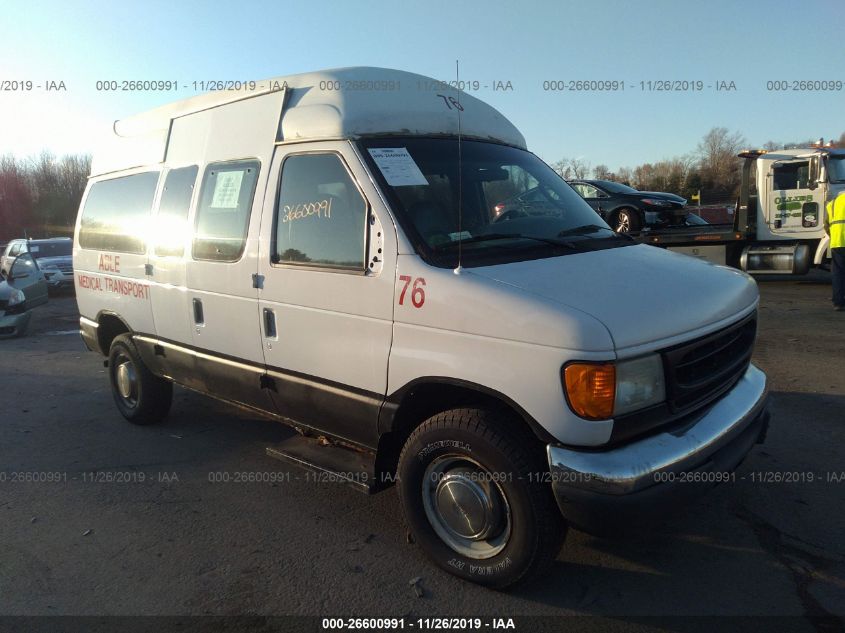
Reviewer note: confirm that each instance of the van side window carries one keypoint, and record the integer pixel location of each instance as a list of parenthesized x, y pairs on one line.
[(172, 220), (320, 216), (15, 250), (116, 213), (223, 210)]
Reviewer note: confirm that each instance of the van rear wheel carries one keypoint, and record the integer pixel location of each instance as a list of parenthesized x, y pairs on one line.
[(141, 397), (475, 499)]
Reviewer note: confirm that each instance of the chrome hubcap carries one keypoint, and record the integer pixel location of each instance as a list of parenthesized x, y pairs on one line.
[(466, 508), (126, 380), (623, 224)]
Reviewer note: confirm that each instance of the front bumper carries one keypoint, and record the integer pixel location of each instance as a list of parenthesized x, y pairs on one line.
[(12, 325), (668, 466), (665, 215), (58, 279)]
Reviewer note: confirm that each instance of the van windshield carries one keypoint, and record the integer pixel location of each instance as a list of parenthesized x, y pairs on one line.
[(513, 206)]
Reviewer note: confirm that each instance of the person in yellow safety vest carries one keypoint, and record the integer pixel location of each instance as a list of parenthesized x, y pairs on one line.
[(834, 225)]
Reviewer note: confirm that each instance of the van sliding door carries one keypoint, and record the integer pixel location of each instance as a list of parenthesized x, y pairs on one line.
[(236, 141)]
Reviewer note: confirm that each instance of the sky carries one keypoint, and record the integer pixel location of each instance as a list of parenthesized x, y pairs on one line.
[(525, 43)]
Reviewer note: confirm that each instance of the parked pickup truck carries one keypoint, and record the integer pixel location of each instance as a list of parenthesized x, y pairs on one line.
[(332, 258)]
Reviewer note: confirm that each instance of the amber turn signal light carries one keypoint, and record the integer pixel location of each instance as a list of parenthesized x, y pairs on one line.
[(591, 389)]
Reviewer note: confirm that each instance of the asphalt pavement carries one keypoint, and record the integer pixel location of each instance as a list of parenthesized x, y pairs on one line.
[(100, 517)]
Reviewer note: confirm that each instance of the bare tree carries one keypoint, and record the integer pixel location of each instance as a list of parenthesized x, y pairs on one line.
[(15, 198), (602, 172), (580, 168), (562, 168), (625, 175), (717, 154), (39, 197)]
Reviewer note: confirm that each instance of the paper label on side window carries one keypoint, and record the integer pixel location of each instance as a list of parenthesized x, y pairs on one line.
[(397, 166), (227, 189)]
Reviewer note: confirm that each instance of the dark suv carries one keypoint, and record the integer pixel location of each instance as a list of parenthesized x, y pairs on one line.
[(628, 210)]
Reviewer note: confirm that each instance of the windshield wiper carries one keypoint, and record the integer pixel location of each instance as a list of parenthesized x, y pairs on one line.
[(485, 237), (584, 228), (592, 228)]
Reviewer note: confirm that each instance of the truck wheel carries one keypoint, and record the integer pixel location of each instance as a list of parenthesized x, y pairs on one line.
[(627, 221), (475, 498), (141, 397)]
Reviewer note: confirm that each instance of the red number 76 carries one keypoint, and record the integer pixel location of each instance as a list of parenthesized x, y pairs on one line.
[(417, 292)]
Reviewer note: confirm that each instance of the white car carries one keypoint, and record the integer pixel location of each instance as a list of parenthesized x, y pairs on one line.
[(325, 250)]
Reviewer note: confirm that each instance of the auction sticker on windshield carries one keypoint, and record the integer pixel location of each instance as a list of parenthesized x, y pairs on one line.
[(398, 167)]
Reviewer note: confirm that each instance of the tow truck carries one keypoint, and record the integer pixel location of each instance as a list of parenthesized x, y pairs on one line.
[(778, 225)]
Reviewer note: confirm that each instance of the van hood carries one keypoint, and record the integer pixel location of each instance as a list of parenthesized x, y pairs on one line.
[(642, 294)]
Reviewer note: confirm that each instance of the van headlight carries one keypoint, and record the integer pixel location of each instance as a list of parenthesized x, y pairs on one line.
[(600, 391), (639, 384)]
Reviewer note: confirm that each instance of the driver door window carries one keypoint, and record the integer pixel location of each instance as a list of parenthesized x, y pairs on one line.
[(320, 215), (790, 176)]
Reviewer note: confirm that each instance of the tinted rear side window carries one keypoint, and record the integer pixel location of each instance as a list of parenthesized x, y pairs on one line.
[(116, 213), (223, 210), (172, 220)]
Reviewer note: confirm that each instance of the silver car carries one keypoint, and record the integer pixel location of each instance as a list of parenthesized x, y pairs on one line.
[(54, 257), (22, 289)]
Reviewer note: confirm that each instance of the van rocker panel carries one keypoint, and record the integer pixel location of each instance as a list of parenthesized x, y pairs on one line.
[(338, 410)]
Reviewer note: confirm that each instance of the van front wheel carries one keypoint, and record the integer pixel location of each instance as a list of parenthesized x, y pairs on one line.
[(475, 498), (140, 396)]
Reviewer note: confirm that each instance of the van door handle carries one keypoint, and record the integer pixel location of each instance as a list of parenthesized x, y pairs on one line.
[(199, 317), (269, 323)]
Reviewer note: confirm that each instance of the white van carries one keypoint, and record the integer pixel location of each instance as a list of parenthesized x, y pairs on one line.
[(325, 249)]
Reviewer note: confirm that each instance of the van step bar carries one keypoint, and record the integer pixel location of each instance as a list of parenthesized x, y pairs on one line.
[(328, 462)]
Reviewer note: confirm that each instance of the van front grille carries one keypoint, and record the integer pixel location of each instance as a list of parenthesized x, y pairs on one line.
[(700, 371)]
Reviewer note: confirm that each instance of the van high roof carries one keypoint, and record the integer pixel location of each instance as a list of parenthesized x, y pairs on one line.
[(342, 103)]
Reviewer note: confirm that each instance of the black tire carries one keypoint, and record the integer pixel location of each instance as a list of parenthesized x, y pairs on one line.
[(145, 398), (626, 221), (532, 536)]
